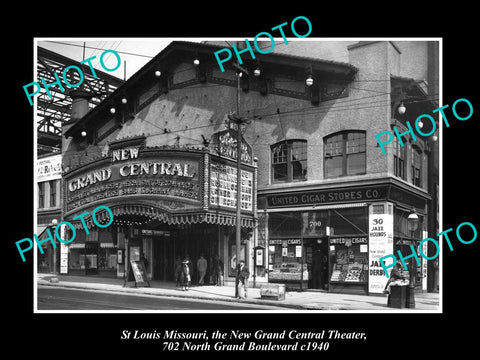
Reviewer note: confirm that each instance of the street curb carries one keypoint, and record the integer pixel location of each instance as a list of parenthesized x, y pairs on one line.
[(188, 296), (325, 307)]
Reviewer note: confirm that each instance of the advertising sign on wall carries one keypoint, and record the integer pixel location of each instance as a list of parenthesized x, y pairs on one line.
[(223, 187), (424, 262), (380, 228), (49, 168)]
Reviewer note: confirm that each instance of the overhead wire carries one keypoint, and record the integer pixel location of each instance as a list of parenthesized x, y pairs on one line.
[(277, 114), (340, 105), (101, 148), (98, 48)]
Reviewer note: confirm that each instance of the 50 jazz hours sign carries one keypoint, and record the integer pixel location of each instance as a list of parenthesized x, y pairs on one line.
[(380, 231)]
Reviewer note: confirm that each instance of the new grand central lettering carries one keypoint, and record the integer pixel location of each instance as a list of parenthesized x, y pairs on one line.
[(174, 176)]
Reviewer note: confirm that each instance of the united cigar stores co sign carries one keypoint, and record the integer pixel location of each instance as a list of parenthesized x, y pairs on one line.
[(157, 173)]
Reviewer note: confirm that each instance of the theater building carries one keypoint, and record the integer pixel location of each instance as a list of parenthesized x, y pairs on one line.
[(160, 153), (320, 202)]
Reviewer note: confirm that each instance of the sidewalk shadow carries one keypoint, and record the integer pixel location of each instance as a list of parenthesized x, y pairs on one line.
[(197, 289), (367, 302)]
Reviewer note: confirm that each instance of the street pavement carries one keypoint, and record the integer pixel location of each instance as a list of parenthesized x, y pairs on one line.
[(294, 300), (73, 299)]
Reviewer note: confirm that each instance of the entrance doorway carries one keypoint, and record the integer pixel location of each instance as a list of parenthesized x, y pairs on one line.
[(317, 262), (163, 259)]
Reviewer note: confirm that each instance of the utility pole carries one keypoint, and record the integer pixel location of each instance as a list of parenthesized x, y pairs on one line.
[(237, 119)]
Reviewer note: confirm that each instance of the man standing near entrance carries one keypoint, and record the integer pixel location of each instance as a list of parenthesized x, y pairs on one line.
[(218, 271), (241, 281), (202, 269)]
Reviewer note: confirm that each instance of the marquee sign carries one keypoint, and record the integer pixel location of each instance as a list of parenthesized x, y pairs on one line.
[(169, 174)]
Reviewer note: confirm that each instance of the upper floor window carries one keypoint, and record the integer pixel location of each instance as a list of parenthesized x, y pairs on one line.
[(416, 167), (53, 193), (41, 195), (399, 160), (345, 154), (289, 161)]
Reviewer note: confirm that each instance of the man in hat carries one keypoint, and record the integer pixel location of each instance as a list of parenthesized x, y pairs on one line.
[(202, 269), (241, 280), (186, 273)]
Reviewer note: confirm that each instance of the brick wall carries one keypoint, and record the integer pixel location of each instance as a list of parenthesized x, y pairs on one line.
[(190, 112)]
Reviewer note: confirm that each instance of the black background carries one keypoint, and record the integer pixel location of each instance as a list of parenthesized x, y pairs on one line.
[(407, 335)]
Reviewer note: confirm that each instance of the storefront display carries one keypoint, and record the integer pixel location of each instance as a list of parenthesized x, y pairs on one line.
[(314, 258), (286, 262), (289, 272), (349, 259)]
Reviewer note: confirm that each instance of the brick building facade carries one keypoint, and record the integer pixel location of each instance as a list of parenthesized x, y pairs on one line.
[(315, 179)]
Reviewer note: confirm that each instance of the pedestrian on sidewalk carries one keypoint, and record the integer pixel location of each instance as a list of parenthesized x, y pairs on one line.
[(178, 271), (241, 281), (218, 271), (202, 269), (397, 277), (145, 261), (186, 278)]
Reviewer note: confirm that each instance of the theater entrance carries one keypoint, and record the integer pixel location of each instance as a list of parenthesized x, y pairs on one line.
[(182, 242), (163, 258)]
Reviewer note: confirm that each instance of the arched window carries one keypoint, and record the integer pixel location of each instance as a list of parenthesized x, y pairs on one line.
[(345, 154), (289, 161)]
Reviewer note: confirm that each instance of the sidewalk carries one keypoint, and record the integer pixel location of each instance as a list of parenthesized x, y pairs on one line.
[(306, 300)]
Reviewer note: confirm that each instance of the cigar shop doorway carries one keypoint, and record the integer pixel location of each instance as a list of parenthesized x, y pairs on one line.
[(316, 251)]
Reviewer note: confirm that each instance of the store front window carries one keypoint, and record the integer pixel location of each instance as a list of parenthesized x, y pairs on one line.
[(284, 224), (348, 246), (302, 251), (297, 250), (93, 254), (349, 259), (285, 255)]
